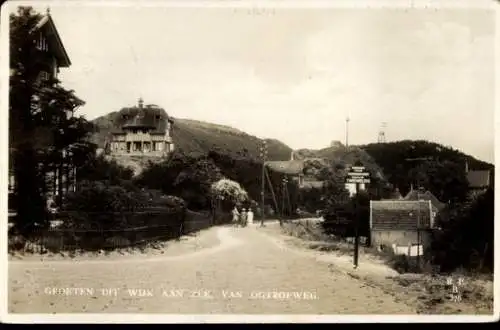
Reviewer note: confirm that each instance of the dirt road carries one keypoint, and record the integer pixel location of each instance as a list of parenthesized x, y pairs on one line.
[(245, 272)]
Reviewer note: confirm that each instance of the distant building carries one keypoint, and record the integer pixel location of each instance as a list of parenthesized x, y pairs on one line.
[(312, 184), (421, 195), (294, 169), (396, 195), (141, 131), (479, 181), (401, 223)]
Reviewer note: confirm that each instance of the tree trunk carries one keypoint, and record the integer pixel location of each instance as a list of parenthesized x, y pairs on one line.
[(31, 204)]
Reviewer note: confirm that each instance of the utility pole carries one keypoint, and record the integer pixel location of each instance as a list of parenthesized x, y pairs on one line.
[(418, 159), (357, 175), (263, 155), (356, 234), (347, 132), (284, 197), (418, 228)]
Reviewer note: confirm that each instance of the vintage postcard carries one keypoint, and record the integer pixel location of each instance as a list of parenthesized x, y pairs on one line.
[(248, 161)]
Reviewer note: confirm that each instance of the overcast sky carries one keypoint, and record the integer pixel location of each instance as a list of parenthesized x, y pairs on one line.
[(293, 74)]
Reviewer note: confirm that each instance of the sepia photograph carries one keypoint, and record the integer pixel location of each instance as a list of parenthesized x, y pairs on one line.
[(248, 161)]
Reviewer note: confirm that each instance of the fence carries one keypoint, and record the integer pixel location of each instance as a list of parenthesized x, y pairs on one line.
[(111, 230)]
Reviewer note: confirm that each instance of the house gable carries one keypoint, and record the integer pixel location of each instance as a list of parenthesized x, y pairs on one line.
[(415, 195), (47, 27)]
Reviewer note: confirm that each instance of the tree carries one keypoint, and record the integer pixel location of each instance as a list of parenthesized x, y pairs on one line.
[(337, 212), (98, 168), (193, 183), (445, 179), (466, 238), (39, 128)]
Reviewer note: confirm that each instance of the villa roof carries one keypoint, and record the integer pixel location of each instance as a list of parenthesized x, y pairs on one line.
[(149, 117)]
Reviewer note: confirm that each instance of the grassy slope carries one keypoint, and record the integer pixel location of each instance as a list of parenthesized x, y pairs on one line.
[(194, 136)]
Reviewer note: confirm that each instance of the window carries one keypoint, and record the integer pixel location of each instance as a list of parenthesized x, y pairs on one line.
[(44, 76), (42, 43)]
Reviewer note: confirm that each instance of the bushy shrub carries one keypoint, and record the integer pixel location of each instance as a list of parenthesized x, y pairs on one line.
[(229, 193), (16, 243), (99, 197), (106, 206), (466, 238)]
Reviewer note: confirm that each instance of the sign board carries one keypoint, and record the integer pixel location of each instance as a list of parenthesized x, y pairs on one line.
[(357, 168), (358, 180), (360, 174), (357, 174)]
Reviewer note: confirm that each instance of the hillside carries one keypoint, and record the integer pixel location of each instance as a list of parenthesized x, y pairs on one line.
[(388, 155), (339, 154), (391, 159), (387, 161), (194, 136)]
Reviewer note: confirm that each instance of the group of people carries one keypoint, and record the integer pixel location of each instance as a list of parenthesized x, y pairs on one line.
[(242, 218)]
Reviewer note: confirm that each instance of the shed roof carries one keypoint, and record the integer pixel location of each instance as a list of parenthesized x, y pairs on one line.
[(312, 184), (291, 167), (400, 215)]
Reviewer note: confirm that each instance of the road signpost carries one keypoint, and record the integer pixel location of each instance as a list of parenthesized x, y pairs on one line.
[(357, 175)]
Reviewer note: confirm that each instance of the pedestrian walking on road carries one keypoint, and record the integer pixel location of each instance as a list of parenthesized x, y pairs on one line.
[(236, 216), (243, 218)]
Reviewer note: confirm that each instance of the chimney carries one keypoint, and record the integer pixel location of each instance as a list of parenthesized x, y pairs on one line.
[(291, 155), (141, 102), (466, 167)]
